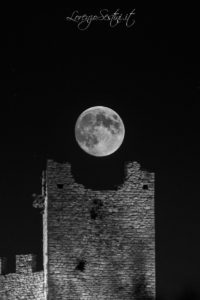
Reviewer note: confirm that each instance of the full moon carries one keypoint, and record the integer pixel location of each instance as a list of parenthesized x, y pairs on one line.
[(99, 131)]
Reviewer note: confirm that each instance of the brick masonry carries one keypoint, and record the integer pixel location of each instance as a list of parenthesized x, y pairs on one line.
[(100, 244), (25, 283), (97, 244)]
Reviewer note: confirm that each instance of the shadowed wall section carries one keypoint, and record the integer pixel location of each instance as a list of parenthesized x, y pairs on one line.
[(100, 244)]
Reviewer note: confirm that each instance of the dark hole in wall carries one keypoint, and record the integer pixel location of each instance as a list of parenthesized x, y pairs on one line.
[(60, 185), (145, 187), (93, 213), (96, 209), (80, 265)]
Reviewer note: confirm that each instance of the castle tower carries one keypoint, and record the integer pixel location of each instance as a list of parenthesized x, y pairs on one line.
[(98, 244)]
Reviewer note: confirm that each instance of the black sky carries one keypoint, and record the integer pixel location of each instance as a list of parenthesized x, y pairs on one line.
[(149, 74)]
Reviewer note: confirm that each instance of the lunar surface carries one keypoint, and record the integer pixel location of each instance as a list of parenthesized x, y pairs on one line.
[(99, 131)]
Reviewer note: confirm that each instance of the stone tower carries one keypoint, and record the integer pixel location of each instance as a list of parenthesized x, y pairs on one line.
[(98, 244)]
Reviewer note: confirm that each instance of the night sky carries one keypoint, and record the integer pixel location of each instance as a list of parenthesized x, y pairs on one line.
[(150, 75)]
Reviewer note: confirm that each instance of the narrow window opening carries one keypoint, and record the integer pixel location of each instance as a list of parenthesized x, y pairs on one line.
[(80, 266), (145, 187), (60, 185), (96, 209)]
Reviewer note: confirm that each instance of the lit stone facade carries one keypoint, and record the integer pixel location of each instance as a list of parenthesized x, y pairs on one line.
[(25, 283), (97, 244), (110, 233)]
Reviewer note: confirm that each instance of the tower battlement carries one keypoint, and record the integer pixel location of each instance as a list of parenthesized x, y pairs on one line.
[(107, 233), (24, 264), (25, 283)]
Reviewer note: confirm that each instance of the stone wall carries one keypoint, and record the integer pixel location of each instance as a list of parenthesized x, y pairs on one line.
[(100, 244), (97, 244), (25, 283)]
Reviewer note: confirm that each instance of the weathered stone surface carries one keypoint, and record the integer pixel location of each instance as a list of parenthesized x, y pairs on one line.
[(97, 244), (112, 231), (25, 283)]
